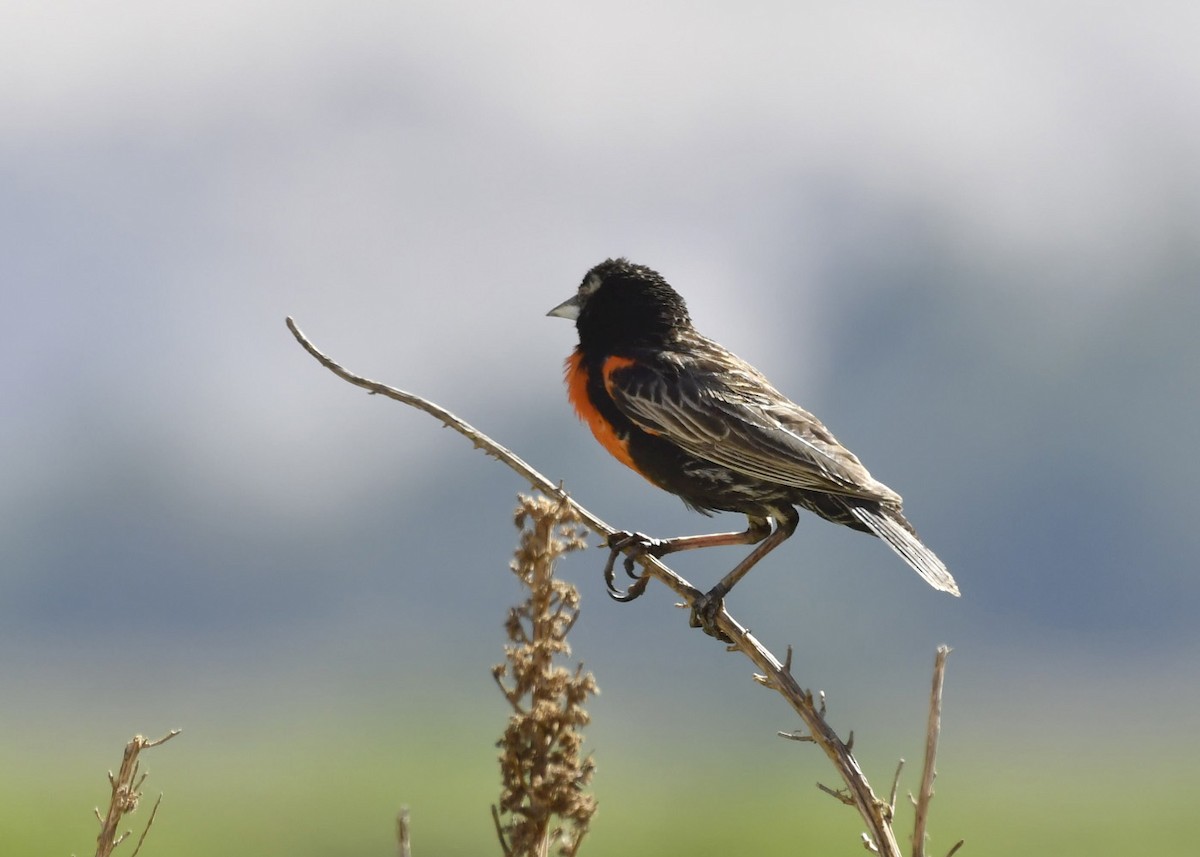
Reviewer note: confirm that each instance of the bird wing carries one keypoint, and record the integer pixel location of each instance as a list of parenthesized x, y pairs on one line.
[(719, 408)]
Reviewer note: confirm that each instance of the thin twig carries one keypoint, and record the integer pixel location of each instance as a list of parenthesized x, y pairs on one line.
[(838, 794), (874, 812), (895, 786), (149, 823), (506, 456), (928, 770), (403, 833), (504, 846)]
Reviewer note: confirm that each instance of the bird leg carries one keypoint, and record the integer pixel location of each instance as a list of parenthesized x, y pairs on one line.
[(639, 544), (706, 607)]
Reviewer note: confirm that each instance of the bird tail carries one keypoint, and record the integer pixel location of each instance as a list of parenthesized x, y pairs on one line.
[(900, 537)]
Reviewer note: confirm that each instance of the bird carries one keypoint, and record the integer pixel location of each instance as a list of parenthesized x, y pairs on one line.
[(697, 421)]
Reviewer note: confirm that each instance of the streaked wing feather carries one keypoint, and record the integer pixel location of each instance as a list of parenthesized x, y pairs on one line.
[(736, 419)]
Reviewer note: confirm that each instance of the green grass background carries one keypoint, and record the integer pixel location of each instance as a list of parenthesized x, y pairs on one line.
[(334, 789)]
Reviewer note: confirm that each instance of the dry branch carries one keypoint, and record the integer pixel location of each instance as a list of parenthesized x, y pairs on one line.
[(876, 813), (403, 833), (126, 792), (929, 768)]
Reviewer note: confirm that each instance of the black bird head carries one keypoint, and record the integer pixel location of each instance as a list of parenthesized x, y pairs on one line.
[(623, 304)]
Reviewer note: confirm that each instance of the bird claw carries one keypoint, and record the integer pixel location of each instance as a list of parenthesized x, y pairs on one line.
[(705, 609), (639, 544)]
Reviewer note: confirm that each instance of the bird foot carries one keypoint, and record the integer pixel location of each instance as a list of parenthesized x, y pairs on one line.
[(637, 544), (705, 609)]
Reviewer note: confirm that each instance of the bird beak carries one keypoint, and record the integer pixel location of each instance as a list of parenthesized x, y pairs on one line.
[(568, 309)]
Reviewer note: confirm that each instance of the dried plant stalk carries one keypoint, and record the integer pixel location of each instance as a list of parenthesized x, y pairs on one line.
[(543, 798), (126, 792), (933, 731), (403, 833)]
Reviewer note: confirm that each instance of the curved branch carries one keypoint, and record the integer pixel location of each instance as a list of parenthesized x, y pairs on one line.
[(876, 813)]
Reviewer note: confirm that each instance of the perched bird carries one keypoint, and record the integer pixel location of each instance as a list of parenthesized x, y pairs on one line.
[(697, 421)]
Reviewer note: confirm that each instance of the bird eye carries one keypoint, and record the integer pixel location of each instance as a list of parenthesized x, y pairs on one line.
[(589, 285)]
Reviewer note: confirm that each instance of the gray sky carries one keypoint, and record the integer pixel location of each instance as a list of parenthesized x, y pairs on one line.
[(409, 179)]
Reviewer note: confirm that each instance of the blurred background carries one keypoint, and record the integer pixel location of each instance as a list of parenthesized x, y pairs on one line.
[(964, 235)]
